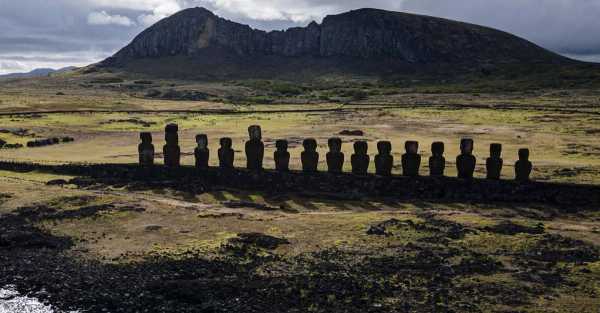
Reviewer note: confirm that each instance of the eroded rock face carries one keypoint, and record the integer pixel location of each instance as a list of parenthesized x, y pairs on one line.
[(365, 33)]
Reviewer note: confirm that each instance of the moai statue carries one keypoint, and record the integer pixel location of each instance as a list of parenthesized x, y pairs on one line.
[(437, 162), (411, 160), (171, 150), (335, 157), (282, 156), (310, 156), (523, 167), (255, 149), (384, 161), (494, 163), (226, 154), (146, 150), (465, 162), (360, 159), (201, 152)]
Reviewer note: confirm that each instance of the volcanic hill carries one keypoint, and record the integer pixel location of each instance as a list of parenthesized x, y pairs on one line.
[(197, 43)]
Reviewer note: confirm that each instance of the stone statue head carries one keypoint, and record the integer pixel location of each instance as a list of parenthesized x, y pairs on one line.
[(226, 143), (202, 141), (335, 144), (524, 154), (310, 144), (361, 147), (411, 147), (255, 132), (146, 137), (495, 150), (466, 146), (437, 148), (171, 128), (171, 136), (384, 147), (282, 145)]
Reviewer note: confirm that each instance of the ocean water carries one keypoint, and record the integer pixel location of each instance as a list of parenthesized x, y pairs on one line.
[(12, 302)]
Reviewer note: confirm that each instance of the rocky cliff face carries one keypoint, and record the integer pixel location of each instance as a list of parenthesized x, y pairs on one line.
[(365, 34)]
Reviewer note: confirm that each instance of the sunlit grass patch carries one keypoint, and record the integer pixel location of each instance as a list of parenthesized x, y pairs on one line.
[(34, 176), (491, 243)]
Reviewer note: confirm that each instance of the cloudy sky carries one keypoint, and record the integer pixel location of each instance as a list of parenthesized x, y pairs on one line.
[(57, 33)]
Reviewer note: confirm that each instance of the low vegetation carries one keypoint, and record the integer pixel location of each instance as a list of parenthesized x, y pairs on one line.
[(110, 247)]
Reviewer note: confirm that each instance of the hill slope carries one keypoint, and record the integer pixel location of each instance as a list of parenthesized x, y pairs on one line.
[(360, 41), (38, 72)]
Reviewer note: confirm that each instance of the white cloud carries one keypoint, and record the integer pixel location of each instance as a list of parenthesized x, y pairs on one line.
[(153, 10), (28, 61), (9, 66), (142, 5), (296, 11), (103, 18), (585, 57), (159, 12)]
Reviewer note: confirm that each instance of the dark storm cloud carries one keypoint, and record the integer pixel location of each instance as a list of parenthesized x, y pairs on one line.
[(42, 32), (565, 26)]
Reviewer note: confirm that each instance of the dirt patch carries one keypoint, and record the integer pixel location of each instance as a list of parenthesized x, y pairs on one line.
[(4, 197), (547, 118), (581, 149)]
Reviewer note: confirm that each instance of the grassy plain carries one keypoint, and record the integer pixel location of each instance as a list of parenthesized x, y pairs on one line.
[(561, 128)]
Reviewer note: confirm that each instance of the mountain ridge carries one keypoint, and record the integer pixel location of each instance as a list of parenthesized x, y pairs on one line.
[(375, 38)]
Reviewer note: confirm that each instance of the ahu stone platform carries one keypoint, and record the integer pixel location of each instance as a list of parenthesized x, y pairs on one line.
[(341, 186)]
